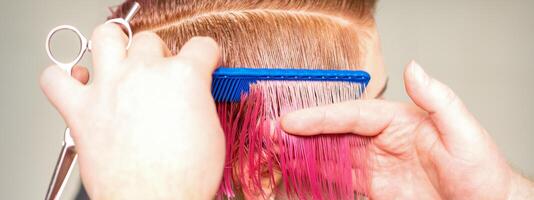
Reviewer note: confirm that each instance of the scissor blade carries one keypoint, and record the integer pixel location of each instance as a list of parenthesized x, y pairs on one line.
[(64, 166)]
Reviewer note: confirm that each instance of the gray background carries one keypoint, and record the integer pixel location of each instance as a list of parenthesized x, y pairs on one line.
[(484, 49)]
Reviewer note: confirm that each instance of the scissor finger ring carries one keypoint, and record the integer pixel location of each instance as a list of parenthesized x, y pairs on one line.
[(85, 44)]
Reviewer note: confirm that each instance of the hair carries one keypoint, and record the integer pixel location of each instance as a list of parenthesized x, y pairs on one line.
[(309, 34)]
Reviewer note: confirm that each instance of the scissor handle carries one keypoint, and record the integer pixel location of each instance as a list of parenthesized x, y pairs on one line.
[(84, 45), (126, 25)]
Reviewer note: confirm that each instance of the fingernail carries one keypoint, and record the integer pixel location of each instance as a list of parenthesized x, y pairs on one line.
[(288, 118), (293, 121), (418, 72)]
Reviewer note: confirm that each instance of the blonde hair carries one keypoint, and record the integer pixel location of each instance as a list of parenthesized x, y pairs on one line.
[(313, 34)]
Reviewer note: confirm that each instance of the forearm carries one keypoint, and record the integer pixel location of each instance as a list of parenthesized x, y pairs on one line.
[(522, 188)]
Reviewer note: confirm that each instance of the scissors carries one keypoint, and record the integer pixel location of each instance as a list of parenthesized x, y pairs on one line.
[(68, 155)]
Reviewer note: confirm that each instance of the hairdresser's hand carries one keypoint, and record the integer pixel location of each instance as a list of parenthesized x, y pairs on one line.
[(146, 127), (434, 150)]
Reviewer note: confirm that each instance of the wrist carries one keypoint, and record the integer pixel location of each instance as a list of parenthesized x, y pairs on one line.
[(521, 188)]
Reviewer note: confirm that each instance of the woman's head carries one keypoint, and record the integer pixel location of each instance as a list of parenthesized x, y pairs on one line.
[(309, 34), (312, 34)]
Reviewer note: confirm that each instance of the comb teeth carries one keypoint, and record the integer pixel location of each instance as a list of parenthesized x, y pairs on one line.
[(229, 84)]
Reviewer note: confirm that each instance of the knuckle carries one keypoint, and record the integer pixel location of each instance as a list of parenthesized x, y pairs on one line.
[(105, 30), (146, 36)]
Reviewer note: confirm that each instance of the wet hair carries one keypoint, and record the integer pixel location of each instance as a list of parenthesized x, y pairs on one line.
[(310, 34), (313, 34)]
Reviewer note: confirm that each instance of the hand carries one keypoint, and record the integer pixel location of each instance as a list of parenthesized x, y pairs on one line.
[(146, 127), (434, 150)]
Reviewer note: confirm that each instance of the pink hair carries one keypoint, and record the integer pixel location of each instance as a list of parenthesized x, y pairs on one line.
[(317, 167)]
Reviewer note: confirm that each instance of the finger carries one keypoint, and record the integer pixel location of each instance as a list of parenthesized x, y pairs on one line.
[(202, 53), (63, 91), (148, 45), (453, 120), (108, 45), (81, 74), (362, 117)]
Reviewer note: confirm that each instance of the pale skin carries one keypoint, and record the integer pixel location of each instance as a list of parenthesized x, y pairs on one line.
[(146, 127), (434, 149)]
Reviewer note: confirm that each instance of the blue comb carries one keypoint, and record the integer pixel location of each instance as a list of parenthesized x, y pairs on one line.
[(230, 83)]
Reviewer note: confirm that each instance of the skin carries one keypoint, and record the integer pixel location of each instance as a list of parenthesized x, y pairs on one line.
[(146, 127), (372, 60), (434, 149)]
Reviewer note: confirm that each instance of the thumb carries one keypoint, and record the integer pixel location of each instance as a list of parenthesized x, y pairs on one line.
[(458, 128), (62, 90), (203, 53)]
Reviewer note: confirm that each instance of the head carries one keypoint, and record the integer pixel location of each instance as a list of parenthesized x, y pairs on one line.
[(310, 34)]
